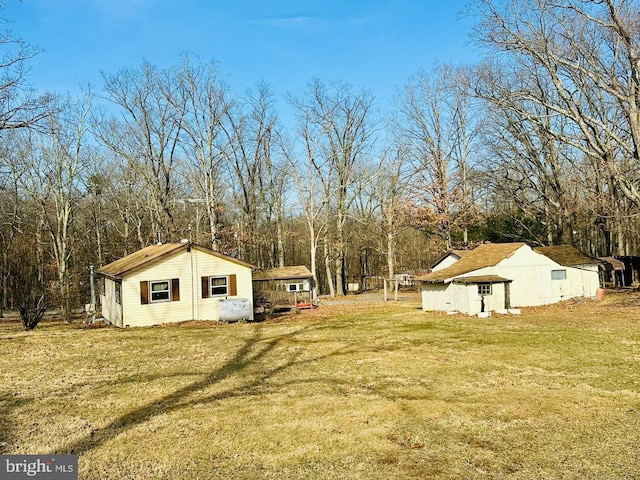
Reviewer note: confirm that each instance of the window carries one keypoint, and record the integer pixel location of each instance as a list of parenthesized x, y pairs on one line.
[(484, 289), (219, 286), (558, 274), (298, 287), (118, 292), (160, 291)]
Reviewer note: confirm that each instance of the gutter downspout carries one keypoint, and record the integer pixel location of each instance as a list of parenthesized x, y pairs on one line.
[(193, 291)]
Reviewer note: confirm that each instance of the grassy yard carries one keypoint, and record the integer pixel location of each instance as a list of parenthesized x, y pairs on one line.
[(380, 391)]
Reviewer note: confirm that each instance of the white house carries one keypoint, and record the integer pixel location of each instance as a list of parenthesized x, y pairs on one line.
[(175, 282), (506, 275)]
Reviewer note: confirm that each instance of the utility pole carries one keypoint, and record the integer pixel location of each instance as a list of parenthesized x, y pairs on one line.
[(93, 294)]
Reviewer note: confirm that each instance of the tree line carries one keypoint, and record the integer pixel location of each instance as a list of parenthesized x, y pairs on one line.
[(537, 142)]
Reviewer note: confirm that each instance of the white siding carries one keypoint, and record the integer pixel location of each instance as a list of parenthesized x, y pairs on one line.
[(531, 285), (581, 282), (447, 261), (111, 310), (492, 302), (531, 275), (458, 295), (434, 297), (590, 280), (188, 267)]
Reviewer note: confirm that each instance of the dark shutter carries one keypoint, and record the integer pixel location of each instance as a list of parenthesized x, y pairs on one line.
[(205, 287), (144, 293), (175, 289), (233, 286)]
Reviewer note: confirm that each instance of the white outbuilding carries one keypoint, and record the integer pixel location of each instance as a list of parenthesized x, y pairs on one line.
[(503, 276)]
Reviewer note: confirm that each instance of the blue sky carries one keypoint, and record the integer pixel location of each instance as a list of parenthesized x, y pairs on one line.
[(372, 44)]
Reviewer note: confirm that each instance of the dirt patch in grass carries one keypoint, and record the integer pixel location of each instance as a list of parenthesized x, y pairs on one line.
[(361, 390)]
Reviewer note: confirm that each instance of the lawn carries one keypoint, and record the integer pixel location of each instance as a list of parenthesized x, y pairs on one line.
[(368, 391)]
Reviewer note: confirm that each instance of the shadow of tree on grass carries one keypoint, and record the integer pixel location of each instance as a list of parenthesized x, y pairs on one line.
[(9, 402), (254, 349)]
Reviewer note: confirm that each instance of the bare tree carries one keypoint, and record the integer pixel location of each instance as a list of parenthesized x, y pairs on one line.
[(20, 107), (259, 174), (206, 117), (341, 123), (244, 159), (11, 208), (587, 53), (526, 163), (276, 188), (391, 188), (271, 148), (55, 165), (28, 285), (309, 188), (96, 184), (148, 135), (434, 119), (131, 217)]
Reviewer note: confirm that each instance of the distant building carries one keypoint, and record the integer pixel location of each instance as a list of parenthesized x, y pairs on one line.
[(290, 287)]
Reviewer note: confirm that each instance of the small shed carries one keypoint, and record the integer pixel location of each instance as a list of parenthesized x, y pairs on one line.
[(502, 276), (611, 272), (286, 287), (631, 273)]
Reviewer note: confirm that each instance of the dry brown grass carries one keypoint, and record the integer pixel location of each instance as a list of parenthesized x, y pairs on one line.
[(365, 391)]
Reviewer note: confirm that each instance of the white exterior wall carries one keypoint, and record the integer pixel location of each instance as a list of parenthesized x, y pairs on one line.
[(189, 267), (460, 297), (580, 282), (111, 310), (591, 280), (531, 275), (434, 297), (446, 262), (531, 285), (492, 302)]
